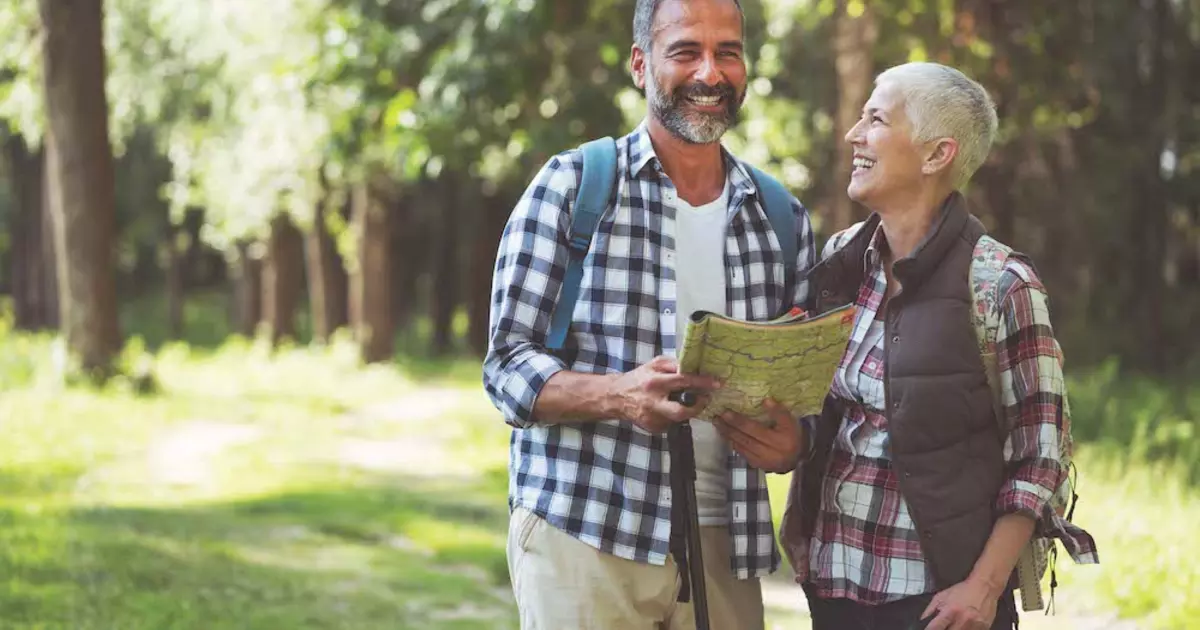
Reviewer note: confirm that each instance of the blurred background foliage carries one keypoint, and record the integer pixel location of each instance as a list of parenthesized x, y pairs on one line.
[(238, 123)]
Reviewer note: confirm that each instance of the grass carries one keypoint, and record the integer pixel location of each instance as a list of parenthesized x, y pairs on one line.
[(294, 488), (113, 515)]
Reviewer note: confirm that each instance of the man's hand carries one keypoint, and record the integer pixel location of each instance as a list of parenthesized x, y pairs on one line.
[(968, 605), (773, 447), (641, 395)]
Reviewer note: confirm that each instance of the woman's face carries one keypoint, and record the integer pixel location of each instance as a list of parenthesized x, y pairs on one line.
[(887, 163)]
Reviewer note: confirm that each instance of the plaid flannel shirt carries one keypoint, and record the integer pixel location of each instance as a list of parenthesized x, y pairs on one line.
[(607, 483), (866, 547)]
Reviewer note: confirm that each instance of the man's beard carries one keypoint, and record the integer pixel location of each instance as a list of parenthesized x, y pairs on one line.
[(693, 126)]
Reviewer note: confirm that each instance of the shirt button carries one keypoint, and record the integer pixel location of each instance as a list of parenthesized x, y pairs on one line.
[(895, 338), (666, 311)]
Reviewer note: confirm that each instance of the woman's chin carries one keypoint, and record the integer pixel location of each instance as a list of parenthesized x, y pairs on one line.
[(856, 192)]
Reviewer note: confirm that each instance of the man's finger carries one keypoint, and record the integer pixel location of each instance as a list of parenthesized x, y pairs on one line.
[(678, 412), (674, 381), (749, 429), (752, 450), (663, 363)]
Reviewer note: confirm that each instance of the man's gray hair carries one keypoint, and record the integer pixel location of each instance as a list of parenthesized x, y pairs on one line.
[(942, 102), (643, 22)]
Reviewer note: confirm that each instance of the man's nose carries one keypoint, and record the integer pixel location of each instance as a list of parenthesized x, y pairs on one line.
[(708, 73)]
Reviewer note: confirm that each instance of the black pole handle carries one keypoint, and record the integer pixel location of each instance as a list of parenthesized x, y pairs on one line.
[(685, 397)]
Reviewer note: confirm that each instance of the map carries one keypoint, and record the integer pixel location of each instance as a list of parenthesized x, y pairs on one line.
[(791, 359)]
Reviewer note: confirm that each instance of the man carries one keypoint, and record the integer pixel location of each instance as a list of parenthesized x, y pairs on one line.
[(919, 494), (590, 492)]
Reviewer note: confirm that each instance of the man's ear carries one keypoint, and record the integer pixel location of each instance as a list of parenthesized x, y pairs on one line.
[(637, 66), (940, 157)]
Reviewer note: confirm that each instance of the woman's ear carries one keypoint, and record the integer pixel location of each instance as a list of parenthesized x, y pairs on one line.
[(940, 157)]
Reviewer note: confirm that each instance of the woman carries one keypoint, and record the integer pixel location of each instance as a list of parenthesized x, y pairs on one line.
[(912, 502)]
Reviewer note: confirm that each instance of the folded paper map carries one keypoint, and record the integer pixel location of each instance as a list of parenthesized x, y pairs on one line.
[(790, 359)]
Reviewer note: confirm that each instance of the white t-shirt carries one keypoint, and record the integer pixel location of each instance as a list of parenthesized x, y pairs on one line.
[(700, 285)]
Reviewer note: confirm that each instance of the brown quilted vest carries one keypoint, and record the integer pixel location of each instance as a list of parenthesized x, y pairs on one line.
[(945, 446)]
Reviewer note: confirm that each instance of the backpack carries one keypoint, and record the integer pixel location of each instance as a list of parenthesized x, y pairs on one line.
[(592, 200), (987, 263)]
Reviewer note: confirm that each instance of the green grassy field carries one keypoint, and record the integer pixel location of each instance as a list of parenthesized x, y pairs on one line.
[(295, 489)]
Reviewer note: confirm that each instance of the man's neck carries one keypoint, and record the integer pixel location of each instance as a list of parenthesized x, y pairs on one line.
[(905, 225), (697, 170)]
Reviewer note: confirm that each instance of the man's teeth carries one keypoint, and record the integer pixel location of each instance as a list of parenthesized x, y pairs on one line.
[(863, 163), (705, 100)]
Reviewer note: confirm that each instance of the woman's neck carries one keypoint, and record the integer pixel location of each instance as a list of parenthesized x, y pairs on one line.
[(905, 225)]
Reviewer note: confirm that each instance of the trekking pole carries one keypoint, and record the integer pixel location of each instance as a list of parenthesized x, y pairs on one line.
[(683, 476)]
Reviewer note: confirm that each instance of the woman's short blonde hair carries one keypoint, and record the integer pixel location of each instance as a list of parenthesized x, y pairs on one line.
[(942, 102)]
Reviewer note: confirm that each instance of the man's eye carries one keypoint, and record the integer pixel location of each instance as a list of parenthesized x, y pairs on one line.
[(876, 119)]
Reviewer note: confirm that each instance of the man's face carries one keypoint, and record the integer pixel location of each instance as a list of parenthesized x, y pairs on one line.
[(695, 76)]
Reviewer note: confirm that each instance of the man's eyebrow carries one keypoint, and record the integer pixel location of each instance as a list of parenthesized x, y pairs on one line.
[(732, 44), (683, 43)]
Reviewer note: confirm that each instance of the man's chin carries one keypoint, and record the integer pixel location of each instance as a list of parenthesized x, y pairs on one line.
[(706, 132)]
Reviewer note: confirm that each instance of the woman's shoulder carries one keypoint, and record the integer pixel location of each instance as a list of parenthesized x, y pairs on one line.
[(839, 239)]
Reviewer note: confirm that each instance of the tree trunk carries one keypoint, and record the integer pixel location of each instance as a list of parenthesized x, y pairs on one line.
[(50, 263), (283, 279), (445, 271), (247, 291), (81, 192), (485, 240), (31, 284), (854, 39), (1148, 227), (175, 284), (413, 246), (327, 282), (370, 285)]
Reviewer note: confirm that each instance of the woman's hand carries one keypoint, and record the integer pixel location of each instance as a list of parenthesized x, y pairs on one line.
[(968, 605)]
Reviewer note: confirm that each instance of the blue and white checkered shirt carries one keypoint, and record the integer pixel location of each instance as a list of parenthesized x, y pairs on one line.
[(607, 483)]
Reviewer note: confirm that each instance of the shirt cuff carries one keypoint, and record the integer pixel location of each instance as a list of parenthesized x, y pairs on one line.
[(527, 376), (1021, 497)]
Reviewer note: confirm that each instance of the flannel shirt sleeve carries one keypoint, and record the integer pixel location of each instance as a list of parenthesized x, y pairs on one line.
[(530, 265), (1032, 390), (806, 255)]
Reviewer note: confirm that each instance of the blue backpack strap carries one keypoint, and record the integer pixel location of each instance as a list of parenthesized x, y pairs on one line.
[(777, 202), (591, 200)]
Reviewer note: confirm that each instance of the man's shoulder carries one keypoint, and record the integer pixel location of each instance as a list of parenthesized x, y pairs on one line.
[(565, 168)]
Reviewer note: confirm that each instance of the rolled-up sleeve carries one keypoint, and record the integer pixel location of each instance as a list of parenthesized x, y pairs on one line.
[(1032, 391), (530, 265)]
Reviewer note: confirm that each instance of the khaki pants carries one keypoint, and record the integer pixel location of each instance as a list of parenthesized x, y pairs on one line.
[(561, 583)]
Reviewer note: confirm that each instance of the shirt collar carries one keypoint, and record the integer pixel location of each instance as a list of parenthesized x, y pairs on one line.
[(877, 247), (642, 156)]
